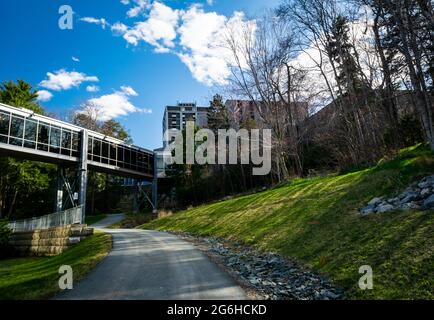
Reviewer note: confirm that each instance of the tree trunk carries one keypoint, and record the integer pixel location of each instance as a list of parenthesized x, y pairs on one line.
[(422, 100), (388, 92)]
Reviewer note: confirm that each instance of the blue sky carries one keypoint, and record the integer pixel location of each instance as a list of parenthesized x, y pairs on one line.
[(129, 57)]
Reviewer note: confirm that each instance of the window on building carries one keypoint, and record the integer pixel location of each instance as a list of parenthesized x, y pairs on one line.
[(43, 135), (66, 142), (113, 154), (75, 144), (30, 134), (4, 127), (17, 131), (55, 135), (105, 152)]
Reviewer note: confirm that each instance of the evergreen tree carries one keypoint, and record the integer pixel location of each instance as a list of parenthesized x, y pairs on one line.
[(218, 116), (350, 77), (23, 182), (20, 94)]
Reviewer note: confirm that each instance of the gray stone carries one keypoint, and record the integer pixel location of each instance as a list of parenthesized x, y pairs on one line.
[(393, 200), (367, 210), (409, 196), (425, 192), (423, 185), (385, 208), (268, 283), (426, 182), (375, 201), (418, 196), (254, 281), (271, 275), (410, 206), (383, 203), (429, 202), (331, 295)]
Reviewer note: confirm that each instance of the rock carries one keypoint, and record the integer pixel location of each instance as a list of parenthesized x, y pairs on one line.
[(427, 181), (425, 192), (409, 196), (410, 206), (273, 261), (375, 201), (393, 201), (429, 202), (385, 208), (423, 185), (268, 283), (367, 210), (270, 275), (331, 295), (418, 196)]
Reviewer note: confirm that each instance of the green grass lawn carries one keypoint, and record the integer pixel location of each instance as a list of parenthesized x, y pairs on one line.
[(37, 277), (315, 221), (94, 219), (133, 220)]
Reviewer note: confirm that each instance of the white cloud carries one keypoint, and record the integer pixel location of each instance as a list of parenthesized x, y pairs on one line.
[(194, 35), (119, 28), (159, 29), (101, 21), (44, 95), (92, 88), (210, 2), (75, 59), (127, 90), (116, 104), (202, 37), (64, 80), (199, 28), (206, 69), (140, 7)]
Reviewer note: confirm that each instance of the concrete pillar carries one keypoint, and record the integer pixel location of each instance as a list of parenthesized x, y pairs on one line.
[(82, 174), (59, 189)]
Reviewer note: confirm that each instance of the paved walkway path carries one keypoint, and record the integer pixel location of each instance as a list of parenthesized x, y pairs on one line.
[(153, 265)]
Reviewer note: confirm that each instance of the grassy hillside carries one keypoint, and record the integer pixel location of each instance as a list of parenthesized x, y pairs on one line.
[(95, 218), (315, 221), (37, 277)]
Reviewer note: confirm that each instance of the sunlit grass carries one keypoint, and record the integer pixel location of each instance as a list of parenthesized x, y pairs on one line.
[(37, 277), (95, 218), (315, 221)]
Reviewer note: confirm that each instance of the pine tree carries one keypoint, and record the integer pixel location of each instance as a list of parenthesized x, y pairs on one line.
[(218, 116), (22, 182), (350, 78)]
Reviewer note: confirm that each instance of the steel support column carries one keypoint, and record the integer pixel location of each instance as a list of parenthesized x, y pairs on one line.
[(59, 189), (136, 193), (155, 186), (82, 172)]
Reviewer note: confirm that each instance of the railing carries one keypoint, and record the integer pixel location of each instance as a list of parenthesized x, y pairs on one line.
[(67, 217)]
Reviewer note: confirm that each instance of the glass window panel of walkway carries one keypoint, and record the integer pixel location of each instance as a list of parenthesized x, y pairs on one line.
[(125, 157), (30, 133), (37, 135)]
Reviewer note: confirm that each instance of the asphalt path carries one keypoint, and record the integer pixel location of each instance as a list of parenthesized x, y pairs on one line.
[(152, 265)]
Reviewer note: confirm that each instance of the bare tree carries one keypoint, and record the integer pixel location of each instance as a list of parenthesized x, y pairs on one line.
[(404, 37), (262, 72), (88, 117)]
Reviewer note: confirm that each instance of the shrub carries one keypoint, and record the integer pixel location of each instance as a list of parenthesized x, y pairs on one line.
[(5, 233)]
